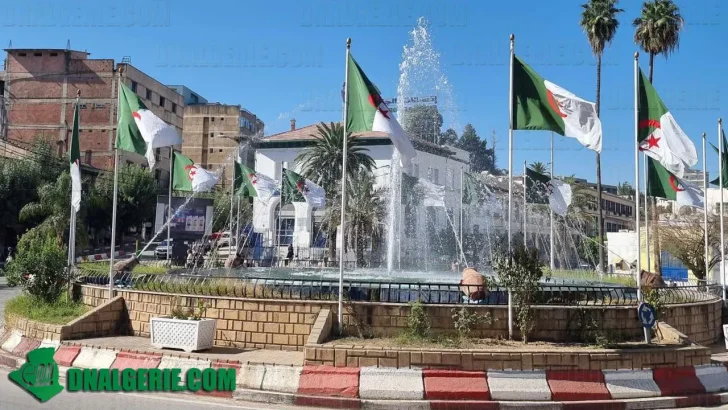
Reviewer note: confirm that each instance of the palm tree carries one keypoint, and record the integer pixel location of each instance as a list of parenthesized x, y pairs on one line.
[(321, 163), (539, 167), (599, 22), (365, 213), (52, 211), (657, 29)]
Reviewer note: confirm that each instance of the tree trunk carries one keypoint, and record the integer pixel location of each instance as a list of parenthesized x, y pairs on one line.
[(600, 217), (652, 62)]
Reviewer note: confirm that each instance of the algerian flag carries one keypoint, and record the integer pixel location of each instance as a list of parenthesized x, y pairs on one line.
[(367, 111), (253, 184), (666, 185), (433, 195), (75, 158), (187, 176), (298, 189), (659, 135), (542, 189), (539, 104), (724, 162), (139, 130)]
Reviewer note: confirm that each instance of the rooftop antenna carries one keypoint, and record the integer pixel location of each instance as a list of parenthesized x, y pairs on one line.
[(10, 45), (68, 44)]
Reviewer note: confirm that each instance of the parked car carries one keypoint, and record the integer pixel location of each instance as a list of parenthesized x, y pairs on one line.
[(163, 248)]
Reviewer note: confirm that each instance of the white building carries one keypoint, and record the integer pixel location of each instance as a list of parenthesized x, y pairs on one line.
[(300, 225)]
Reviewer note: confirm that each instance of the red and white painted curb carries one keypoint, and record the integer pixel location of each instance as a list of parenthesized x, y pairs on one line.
[(390, 388)]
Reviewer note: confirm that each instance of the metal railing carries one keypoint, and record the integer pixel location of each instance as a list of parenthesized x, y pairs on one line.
[(386, 292)]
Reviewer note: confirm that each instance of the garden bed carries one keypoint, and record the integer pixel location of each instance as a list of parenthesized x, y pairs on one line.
[(56, 313)]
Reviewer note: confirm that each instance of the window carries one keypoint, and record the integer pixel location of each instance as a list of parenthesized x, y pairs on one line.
[(211, 151), (99, 106), (54, 54), (82, 106), (222, 119), (221, 151), (133, 86), (212, 135), (22, 54), (88, 156), (149, 94), (38, 54), (319, 235), (212, 119), (285, 231), (174, 108), (157, 154), (161, 101)]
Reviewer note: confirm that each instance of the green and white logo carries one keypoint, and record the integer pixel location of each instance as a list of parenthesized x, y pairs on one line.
[(39, 375)]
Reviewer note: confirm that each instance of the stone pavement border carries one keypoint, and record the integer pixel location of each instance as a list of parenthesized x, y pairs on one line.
[(354, 386)]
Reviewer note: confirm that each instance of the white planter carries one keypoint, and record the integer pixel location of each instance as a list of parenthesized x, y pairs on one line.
[(188, 335)]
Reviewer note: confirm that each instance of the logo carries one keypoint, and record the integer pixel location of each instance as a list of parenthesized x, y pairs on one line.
[(675, 184), (555, 105), (253, 178), (39, 375), (653, 140), (191, 171), (301, 187)]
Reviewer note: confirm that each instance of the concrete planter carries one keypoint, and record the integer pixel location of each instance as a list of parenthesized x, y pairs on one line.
[(188, 335)]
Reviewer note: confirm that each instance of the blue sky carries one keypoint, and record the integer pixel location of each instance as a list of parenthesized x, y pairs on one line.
[(283, 59)]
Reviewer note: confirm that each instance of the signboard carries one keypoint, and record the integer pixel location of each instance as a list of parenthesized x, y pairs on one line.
[(646, 313), (394, 103), (192, 220)]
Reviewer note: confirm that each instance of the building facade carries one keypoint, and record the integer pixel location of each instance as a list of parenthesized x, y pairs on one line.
[(40, 88), (190, 97), (300, 224), (211, 136)]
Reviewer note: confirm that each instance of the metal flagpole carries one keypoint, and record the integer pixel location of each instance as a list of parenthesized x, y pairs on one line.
[(525, 206), (237, 230), (510, 178), (169, 203), (722, 238), (705, 206), (400, 218), (342, 226), (638, 272), (551, 210), (647, 219), (232, 196), (462, 187), (116, 191)]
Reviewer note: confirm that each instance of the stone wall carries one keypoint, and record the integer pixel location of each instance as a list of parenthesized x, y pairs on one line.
[(245, 323), (287, 324), (527, 359), (33, 329)]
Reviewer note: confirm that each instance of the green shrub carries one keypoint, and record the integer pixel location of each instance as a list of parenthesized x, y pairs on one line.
[(40, 265), (465, 321), (418, 322), (59, 312)]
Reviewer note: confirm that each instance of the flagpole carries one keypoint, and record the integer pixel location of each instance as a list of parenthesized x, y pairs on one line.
[(343, 191), (169, 203), (720, 182), (551, 210), (237, 231), (705, 205), (510, 178), (232, 196), (525, 206), (400, 221), (116, 190), (647, 219), (462, 187), (638, 271)]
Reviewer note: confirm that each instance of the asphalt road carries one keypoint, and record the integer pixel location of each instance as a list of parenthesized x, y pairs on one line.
[(6, 293), (13, 397)]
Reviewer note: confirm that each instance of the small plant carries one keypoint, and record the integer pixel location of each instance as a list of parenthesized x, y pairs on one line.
[(418, 322), (521, 273), (40, 265), (187, 313), (465, 321)]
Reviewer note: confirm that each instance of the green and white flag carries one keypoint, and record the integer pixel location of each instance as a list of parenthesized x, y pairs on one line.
[(75, 159), (542, 189), (367, 111), (139, 130), (539, 104), (659, 135), (664, 184), (189, 177), (299, 189), (254, 184)]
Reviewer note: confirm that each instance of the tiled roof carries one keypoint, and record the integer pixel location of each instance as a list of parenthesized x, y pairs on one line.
[(309, 132)]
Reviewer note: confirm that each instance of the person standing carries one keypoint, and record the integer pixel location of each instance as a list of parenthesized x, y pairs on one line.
[(289, 255)]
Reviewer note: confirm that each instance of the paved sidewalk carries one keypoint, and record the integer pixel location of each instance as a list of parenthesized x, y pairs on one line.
[(278, 357)]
